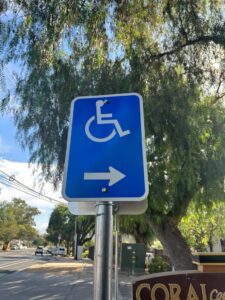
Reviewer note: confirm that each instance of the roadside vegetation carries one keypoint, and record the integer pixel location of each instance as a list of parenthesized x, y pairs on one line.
[(204, 226), (17, 222), (61, 228)]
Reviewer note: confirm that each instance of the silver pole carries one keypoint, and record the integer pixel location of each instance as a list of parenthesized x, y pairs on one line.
[(116, 256), (75, 237), (103, 251)]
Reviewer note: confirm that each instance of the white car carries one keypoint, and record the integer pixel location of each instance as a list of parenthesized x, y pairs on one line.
[(14, 247), (58, 251), (39, 250)]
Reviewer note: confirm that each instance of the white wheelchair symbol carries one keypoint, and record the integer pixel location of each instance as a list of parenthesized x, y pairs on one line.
[(103, 119)]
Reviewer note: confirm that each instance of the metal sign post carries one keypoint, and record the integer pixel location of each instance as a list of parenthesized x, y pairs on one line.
[(103, 251), (116, 219), (75, 237)]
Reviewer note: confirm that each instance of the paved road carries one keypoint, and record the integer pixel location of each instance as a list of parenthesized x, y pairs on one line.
[(18, 260), (28, 277)]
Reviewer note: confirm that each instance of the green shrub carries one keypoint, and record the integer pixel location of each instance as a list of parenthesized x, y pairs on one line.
[(85, 254), (159, 264), (89, 243)]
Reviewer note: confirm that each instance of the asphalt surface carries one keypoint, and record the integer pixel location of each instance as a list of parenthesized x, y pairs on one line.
[(18, 260), (59, 279)]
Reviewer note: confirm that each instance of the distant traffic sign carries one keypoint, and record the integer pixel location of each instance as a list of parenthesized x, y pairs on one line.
[(106, 157)]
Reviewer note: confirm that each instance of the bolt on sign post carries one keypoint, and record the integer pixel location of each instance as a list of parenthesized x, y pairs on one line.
[(105, 163)]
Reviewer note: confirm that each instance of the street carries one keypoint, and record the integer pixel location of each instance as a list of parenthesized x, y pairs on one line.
[(25, 276), (18, 260)]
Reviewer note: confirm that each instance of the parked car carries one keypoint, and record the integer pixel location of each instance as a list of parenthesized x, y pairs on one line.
[(57, 251), (14, 247), (39, 250)]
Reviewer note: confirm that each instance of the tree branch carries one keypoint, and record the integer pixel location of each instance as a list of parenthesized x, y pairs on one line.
[(201, 40), (216, 99), (182, 29)]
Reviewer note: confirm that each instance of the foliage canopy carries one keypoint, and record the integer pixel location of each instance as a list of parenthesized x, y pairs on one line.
[(17, 221), (171, 52), (203, 225), (62, 223)]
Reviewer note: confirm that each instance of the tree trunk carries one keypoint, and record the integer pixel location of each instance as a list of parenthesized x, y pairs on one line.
[(138, 235), (5, 246), (139, 239), (210, 245), (68, 247), (174, 244)]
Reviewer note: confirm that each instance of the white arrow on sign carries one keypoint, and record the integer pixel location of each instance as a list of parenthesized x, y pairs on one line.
[(113, 176)]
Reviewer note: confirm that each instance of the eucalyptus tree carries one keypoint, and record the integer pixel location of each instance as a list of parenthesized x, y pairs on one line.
[(171, 52)]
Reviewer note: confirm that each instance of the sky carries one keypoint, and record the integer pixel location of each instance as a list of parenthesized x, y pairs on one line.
[(14, 161)]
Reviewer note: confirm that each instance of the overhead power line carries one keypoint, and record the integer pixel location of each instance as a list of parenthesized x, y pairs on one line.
[(11, 182)]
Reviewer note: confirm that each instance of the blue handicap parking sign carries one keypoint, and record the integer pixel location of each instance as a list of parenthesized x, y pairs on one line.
[(106, 157)]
